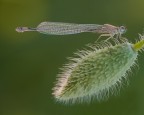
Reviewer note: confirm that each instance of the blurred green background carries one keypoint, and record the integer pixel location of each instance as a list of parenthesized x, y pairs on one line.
[(29, 62)]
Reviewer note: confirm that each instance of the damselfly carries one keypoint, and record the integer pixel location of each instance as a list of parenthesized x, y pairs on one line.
[(60, 28)]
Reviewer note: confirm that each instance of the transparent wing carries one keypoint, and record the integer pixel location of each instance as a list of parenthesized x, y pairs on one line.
[(58, 28)]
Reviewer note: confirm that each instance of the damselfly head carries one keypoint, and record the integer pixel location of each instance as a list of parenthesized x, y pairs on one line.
[(122, 29)]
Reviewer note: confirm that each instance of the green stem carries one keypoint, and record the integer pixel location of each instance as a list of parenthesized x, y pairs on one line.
[(139, 45)]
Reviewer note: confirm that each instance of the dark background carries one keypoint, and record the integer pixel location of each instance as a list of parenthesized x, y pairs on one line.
[(29, 62)]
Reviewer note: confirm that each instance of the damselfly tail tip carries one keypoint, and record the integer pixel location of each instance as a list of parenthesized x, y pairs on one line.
[(22, 29)]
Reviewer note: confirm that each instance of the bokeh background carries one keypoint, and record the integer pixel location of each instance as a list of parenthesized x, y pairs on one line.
[(29, 62)]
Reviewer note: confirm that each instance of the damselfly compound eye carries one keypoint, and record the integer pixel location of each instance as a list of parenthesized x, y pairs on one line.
[(123, 29)]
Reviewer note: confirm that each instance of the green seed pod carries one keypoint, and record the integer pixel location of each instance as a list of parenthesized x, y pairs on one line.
[(96, 73)]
